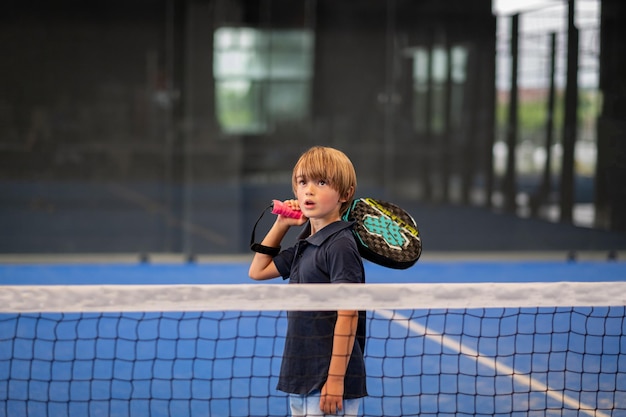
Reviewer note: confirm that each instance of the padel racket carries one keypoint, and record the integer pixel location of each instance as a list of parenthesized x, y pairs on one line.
[(385, 234)]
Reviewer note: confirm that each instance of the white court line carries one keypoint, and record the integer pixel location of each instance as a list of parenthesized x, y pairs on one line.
[(492, 363)]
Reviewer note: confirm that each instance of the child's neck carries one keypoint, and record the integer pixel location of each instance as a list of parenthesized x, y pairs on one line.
[(320, 223)]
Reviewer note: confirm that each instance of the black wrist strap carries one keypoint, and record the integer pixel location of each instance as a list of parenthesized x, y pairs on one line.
[(257, 247), (266, 250)]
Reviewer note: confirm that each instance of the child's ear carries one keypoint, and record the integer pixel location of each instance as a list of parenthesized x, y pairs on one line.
[(348, 196)]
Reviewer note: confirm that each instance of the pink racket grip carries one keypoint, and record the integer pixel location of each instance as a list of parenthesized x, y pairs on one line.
[(278, 207)]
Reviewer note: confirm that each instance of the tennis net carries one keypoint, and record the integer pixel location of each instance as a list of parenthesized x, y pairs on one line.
[(527, 349)]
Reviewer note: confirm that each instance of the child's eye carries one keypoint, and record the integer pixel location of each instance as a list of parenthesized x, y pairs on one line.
[(322, 182)]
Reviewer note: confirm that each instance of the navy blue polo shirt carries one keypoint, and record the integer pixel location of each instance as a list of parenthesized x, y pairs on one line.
[(329, 256)]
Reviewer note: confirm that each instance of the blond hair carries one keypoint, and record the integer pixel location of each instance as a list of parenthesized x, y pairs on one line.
[(331, 165)]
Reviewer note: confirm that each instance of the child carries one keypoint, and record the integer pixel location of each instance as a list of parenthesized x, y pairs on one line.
[(322, 370)]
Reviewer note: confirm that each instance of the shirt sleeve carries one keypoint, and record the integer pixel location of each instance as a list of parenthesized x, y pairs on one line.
[(283, 262)]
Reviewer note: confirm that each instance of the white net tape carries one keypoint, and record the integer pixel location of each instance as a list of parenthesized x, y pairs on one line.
[(273, 297)]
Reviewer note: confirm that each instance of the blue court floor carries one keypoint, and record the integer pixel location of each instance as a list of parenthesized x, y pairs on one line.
[(237, 273)]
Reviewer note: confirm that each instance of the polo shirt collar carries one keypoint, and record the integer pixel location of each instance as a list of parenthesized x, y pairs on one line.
[(318, 238)]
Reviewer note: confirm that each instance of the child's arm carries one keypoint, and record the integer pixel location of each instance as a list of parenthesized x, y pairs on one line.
[(345, 332), (262, 266)]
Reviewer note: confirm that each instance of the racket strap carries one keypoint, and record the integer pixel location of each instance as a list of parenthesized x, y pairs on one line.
[(257, 247)]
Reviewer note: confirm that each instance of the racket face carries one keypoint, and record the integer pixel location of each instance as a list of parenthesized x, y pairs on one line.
[(387, 234)]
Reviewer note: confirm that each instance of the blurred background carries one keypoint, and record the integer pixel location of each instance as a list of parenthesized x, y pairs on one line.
[(167, 126)]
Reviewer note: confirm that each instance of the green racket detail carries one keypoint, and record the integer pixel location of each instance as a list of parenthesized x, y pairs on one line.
[(382, 226)]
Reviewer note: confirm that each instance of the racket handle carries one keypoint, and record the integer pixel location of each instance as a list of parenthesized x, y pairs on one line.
[(278, 207)]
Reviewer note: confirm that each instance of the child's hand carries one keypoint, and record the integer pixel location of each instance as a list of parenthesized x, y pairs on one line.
[(331, 398), (287, 219)]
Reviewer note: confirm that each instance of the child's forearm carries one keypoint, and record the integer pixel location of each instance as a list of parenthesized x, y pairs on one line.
[(261, 267), (276, 234), (343, 342)]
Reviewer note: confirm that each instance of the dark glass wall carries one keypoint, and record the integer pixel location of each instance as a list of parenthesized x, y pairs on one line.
[(167, 126)]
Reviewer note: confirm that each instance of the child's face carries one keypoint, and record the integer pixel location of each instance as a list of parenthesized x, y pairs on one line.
[(318, 199)]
